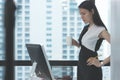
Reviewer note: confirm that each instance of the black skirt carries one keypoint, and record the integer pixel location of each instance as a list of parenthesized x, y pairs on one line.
[(85, 72)]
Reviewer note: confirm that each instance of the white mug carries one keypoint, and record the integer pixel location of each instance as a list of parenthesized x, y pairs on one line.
[(69, 40)]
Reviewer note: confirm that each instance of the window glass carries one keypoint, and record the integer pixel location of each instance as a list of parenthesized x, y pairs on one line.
[(57, 71), (2, 31), (38, 24), (2, 70), (2, 38), (43, 22)]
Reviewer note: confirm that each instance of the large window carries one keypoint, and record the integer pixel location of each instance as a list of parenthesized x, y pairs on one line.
[(47, 29), (48, 22)]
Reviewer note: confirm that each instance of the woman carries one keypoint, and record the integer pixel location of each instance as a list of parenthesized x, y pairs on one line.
[(89, 67)]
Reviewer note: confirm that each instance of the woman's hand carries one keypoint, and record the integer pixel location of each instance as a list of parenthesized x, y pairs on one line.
[(75, 43), (93, 61)]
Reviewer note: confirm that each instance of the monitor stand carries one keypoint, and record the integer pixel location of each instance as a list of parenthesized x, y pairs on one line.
[(33, 75)]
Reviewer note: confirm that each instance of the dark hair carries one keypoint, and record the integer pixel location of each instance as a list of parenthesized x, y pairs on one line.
[(89, 5)]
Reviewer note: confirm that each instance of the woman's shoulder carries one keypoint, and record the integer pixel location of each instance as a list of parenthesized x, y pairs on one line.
[(99, 27)]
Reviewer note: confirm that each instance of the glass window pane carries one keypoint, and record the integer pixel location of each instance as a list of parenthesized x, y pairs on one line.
[(60, 72), (2, 71), (34, 24), (22, 72), (2, 31)]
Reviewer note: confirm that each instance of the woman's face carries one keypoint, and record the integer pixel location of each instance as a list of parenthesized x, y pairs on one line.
[(86, 15)]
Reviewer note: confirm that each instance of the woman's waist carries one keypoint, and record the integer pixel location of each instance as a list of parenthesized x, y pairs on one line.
[(85, 53)]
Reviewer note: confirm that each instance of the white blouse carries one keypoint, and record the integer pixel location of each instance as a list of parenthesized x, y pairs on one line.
[(90, 38)]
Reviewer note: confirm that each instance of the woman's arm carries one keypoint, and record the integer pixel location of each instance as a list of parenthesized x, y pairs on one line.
[(104, 34), (75, 43), (93, 60)]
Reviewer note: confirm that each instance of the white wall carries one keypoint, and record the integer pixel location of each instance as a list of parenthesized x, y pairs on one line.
[(115, 40)]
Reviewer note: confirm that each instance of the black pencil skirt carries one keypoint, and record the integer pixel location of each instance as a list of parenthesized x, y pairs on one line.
[(85, 72)]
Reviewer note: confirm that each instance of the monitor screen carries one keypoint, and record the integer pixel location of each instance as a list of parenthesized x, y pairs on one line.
[(37, 54)]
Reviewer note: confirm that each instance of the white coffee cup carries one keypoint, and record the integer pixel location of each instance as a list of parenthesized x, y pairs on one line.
[(69, 40)]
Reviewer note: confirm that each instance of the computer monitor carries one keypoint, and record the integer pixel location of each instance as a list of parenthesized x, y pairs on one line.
[(37, 54)]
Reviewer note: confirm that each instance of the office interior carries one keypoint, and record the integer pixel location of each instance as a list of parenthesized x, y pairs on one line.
[(8, 63)]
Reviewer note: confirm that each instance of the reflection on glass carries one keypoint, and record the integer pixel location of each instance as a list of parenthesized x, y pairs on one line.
[(60, 72)]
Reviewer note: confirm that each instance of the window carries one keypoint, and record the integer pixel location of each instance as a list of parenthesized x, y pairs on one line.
[(27, 1), (44, 25)]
